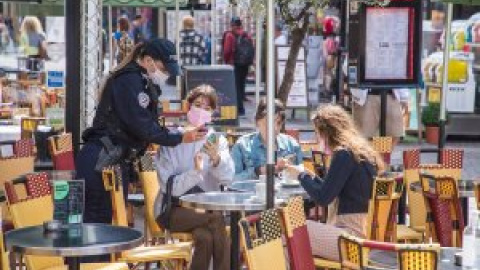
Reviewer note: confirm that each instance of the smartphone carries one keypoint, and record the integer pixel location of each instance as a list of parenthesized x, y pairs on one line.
[(212, 138)]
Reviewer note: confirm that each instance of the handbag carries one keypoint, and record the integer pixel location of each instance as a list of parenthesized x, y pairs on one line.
[(169, 202)]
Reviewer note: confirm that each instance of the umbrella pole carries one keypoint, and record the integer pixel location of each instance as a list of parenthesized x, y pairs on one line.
[(258, 60), (446, 58), (177, 42), (270, 104)]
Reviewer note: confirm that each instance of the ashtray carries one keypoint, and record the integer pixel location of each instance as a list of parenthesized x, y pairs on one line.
[(53, 226)]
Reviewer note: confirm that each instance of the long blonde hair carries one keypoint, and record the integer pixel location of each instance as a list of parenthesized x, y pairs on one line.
[(31, 24), (336, 126), (132, 56)]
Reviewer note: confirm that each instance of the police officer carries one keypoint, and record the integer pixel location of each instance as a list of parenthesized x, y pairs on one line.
[(126, 121)]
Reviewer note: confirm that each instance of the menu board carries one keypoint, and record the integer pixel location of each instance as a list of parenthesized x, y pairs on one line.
[(387, 44), (222, 78), (69, 198), (298, 95)]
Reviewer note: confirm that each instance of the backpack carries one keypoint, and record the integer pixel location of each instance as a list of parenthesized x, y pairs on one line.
[(244, 52)]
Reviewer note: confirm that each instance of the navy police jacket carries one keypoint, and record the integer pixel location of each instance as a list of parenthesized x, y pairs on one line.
[(127, 112)]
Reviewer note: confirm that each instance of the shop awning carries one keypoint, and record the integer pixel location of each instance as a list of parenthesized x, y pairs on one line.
[(119, 3)]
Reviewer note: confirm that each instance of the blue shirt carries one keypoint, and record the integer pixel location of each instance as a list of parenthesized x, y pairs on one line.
[(249, 152)]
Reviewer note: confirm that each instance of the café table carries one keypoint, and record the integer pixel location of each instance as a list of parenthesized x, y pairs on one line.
[(233, 202), (281, 190), (379, 259), (74, 242)]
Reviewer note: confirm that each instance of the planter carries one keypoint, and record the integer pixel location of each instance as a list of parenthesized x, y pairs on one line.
[(432, 134)]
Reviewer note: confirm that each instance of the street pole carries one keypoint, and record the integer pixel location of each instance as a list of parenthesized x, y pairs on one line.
[(446, 58), (270, 103), (110, 39), (213, 40), (341, 49), (258, 59)]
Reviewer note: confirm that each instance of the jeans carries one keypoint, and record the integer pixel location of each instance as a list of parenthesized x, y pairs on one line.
[(241, 73)]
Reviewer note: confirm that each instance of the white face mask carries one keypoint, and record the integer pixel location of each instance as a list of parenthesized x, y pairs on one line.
[(159, 78)]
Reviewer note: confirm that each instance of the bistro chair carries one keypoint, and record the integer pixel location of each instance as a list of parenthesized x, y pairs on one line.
[(384, 209), (476, 190), (445, 222), (149, 179), (354, 254), (451, 164), (29, 125), (298, 242), (4, 262), (25, 213), (384, 146), (61, 150), (179, 253), (261, 240)]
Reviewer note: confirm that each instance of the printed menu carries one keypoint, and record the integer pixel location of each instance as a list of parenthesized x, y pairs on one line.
[(69, 197)]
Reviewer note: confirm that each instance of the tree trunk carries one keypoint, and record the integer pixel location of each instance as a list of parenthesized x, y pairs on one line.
[(298, 35)]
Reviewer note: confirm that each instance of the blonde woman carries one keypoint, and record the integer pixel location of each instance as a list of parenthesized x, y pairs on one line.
[(32, 38), (347, 187)]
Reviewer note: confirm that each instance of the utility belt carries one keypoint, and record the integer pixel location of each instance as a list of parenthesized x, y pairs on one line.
[(378, 92), (112, 154)]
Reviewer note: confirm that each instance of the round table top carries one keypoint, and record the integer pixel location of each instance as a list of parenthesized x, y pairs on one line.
[(281, 191), (76, 241), (388, 260), (222, 201)]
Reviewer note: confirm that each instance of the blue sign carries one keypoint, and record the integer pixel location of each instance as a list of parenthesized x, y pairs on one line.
[(55, 79)]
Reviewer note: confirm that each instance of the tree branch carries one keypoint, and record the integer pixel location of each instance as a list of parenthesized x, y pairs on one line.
[(307, 6)]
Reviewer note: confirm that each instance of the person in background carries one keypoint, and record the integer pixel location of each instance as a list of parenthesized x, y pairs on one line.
[(198, 167), (280, 38), (137, 29), (123, 43), (250, 151), (347, 187), (238, 51), (192, 44), (4, 34), (32, 38)]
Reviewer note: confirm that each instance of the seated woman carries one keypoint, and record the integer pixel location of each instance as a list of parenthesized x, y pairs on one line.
[(250, 151), (198, 167), (348, 185)]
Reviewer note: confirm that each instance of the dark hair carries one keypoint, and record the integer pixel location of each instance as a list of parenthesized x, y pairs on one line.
[(138, 17), (236, 21), (123, 24), (262, 109), (203, 90)]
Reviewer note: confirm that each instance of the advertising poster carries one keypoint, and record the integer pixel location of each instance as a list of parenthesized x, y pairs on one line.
[(69, 197)]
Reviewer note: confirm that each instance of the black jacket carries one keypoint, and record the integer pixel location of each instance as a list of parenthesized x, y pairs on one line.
[(347, 179), (127, 112)]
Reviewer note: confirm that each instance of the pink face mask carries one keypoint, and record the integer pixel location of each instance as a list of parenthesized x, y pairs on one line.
[(198, 116)]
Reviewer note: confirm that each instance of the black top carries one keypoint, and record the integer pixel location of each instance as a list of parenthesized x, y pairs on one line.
[(127, 112), (347, 179)]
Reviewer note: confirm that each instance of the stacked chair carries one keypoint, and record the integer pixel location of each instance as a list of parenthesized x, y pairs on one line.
[(61, 150), (451, 164), (178, 254), (445, 223), (24, 211)]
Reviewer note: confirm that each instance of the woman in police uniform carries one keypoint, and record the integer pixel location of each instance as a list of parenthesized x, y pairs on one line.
[(126, 121)]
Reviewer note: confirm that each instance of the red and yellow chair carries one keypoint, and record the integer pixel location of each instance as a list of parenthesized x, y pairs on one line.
[(261, 239), (354, 254), (445, 223), (61, 150), (384, 146)]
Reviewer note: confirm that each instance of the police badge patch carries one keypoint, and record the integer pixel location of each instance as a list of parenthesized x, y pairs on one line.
[(143, 99)]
